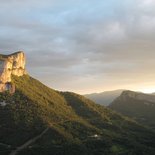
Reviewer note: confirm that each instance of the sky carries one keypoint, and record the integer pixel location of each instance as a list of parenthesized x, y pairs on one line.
[(83, 46)]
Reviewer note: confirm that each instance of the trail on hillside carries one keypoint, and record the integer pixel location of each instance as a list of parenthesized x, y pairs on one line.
[(14, 152)]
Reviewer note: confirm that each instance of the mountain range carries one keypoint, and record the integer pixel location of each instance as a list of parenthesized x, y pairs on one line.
[(38, 120), (138, 106), (104, 98)]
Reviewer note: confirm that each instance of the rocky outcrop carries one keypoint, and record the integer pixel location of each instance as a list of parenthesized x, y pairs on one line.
[(13, 64)]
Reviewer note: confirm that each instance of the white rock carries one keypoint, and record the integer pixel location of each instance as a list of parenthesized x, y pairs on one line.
[(3, 104), (13, 64)]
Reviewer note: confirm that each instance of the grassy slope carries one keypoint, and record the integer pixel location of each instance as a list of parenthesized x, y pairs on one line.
[(140, 110), (72, 120), (31, 109), (109, 121)]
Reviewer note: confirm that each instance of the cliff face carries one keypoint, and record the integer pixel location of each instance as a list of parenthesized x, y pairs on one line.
[(13, 64)]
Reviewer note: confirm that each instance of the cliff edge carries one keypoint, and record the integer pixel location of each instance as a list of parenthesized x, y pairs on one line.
[(13, 64)]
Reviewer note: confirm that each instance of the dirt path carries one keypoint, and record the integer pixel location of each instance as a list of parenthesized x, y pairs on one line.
[(14, 152), (5, 145)]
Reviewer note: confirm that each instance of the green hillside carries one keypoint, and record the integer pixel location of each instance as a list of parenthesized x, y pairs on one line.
[(139, 106), (75, 125)]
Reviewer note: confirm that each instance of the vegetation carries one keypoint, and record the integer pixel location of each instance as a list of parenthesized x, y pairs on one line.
[(76, 124), (142, 111)]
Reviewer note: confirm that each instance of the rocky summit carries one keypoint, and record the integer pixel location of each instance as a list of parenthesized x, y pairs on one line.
[(13, 64)]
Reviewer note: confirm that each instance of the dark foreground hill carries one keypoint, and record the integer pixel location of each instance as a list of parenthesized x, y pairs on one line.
[(49, 122), (138, 106)]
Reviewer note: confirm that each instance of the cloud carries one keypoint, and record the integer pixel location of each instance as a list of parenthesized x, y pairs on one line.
[(82, 46)]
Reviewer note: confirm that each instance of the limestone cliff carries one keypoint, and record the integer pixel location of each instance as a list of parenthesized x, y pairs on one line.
[(13, 64)]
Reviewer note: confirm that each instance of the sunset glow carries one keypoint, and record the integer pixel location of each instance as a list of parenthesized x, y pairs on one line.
[(83, 46)]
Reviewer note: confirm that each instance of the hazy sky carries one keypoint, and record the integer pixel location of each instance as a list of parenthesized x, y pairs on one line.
[(83, 45)]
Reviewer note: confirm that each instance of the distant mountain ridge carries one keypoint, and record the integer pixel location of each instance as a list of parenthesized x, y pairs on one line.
[(138, 106), (104, 98), (139, 96)]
